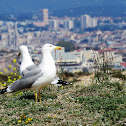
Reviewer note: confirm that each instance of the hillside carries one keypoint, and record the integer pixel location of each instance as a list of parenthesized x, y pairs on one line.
[(100, 10), (8, 60), (80, 104), (65, 7)]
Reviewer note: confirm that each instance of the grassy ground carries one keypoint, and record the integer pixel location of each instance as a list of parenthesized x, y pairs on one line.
[(79, 104)]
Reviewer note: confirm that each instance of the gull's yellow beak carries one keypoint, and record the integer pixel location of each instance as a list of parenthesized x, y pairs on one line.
[(19, 54), (58, 48)]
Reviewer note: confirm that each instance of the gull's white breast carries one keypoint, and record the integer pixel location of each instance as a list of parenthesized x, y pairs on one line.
[(48, 75)]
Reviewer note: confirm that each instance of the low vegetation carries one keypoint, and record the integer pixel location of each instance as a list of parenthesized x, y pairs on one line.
[(78, 104)]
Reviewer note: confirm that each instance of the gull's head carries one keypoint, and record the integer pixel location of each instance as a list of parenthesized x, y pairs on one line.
[(22, 50), (50, 47)]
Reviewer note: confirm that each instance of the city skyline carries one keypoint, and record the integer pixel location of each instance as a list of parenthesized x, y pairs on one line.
[(91, 35)]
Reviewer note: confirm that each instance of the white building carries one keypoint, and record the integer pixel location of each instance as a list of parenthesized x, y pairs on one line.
[(94, 22), (87, 22), (69, 24), (1, 23), (54, 24), (45, 15)]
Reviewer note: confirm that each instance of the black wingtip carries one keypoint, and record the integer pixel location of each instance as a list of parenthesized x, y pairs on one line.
[(2, 91), (63, 83)]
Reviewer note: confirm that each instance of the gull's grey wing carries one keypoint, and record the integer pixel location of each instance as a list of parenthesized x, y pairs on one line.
[(26, 81), (29, 69)]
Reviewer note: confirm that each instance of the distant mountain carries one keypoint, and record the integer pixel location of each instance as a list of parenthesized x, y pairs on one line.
[(64, 7), (92, 10)]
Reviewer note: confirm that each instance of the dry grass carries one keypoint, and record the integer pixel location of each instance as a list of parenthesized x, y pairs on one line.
[(62, 106)]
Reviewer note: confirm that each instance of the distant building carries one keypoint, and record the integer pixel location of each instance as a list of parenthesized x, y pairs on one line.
[(120, 66), (39, 24), (87, 22), (69, 24), (54, 24), (1, 23), (8, 35), (94, 22), (12, 36), (81, 59), (16, 36), (45, 16)]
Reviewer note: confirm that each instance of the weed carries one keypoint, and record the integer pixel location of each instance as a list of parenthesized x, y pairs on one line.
[(103, 64)]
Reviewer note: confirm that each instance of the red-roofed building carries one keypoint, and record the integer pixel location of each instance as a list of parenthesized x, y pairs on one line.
[(123, 64), (79, 50), (106, 50)]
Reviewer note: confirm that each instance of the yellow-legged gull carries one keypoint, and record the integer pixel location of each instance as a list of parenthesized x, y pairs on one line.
[(40, 76)]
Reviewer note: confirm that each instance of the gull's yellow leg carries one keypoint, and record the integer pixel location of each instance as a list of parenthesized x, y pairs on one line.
[(39, 97), (36, 96)]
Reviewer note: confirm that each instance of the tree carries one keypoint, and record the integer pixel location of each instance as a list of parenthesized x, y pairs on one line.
[(69, 46)]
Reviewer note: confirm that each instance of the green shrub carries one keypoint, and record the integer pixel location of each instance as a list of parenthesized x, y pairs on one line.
[(118, 74), (83, 73), (111, 108)]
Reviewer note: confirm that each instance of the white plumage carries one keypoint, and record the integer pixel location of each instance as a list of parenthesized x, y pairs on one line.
[(36, 77), (27, 65), (26, 60), (47, 66)]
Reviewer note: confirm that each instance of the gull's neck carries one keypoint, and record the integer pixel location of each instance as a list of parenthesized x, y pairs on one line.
[(26, 59), (47, 60)]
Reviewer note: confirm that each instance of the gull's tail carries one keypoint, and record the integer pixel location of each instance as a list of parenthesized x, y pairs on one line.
[(59, 82), (62, 83), (2, 91)]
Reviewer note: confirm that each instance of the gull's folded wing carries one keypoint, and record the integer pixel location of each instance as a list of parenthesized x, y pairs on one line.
[(26, 81)]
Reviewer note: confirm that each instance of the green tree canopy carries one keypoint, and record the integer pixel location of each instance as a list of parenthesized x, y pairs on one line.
[(69, 46)]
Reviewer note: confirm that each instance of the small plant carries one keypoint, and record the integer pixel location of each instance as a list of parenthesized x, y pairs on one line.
[(103, 64), (6, 77), (83, 73), (23, 119), (68, 74)]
